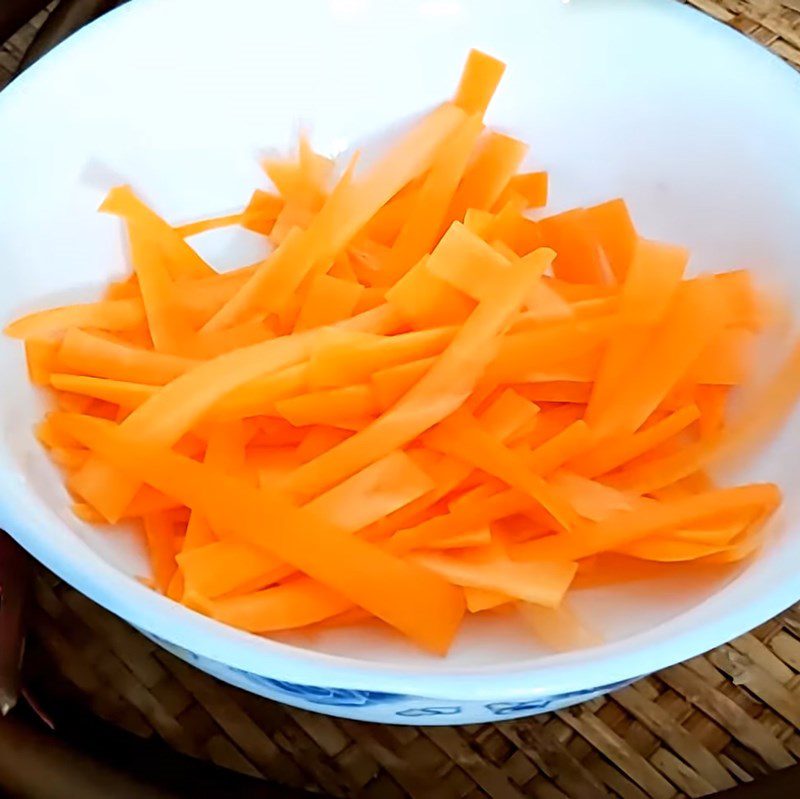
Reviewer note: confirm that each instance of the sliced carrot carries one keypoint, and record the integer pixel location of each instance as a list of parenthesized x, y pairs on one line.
[(531, 186), (712, 405), (421, 605), (626, 527), (650, 284), (495, 163), (261, 212), (160, 535), (422, 401), (462, 437), (330, 406), (40, 356), (182, 260), (328, 299), (579, 258), (124, 314), (479, 80), (610, 455), (212, 223), (425, 300), (390, 384), (438, 393), (88, 354), (479, 599), (695, 318), (611, 224), (543, 583), (423, 224), (345, 213), (345, 359)]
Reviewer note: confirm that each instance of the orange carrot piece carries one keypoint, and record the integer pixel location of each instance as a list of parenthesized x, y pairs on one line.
[(425, 300), (479, 599), (115, 315), (169, 329), (261, 212), (390, 384), (92, 355), (727, 360), (626, 527), (496, 161), (479, 80), (285, 607), (160, 535), (329, 299), (423, 224), (509, 417), (439, 392), (579, 258), (125, 394), (370, 495), (212, 223), (613, 453), (695, 318), (532, 187), (544, 583), (422, 606), (345, 212), (182, 260), (712, 402), (461, 436), (611, 224), (40, 356), (590, 499), (353, 358), (331, 406), (651, 282)]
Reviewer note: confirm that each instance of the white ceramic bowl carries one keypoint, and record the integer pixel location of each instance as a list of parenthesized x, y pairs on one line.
[(694, 125)]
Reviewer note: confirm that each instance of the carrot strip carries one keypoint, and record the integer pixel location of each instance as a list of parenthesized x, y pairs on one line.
[(331, 407), (213, 223), (479, 599), (479, 80), (423, 224), (498, 158), (613, 453), (462, 437), (346, 359), (626, 527), (531, 186), (41, 355), (115, 315), (579, 258), (543, 583), (438, 393), (422, 606), (328, 300), (169, 330), (182, 260), (92, 355), (611, 224), (343, 215), (694, 319), (261, 212), (425, 300), (160, 535), (651, 282)]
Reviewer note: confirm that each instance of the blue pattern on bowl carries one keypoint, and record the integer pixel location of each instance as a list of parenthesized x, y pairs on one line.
[(379, 705)]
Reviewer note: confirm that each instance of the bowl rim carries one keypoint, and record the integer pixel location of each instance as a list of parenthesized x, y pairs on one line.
[(637, 655)]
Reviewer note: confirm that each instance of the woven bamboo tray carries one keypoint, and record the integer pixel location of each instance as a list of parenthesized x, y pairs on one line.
[(702, 726)]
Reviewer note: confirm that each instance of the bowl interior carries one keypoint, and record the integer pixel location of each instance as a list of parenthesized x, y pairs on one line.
[(694, 126)]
